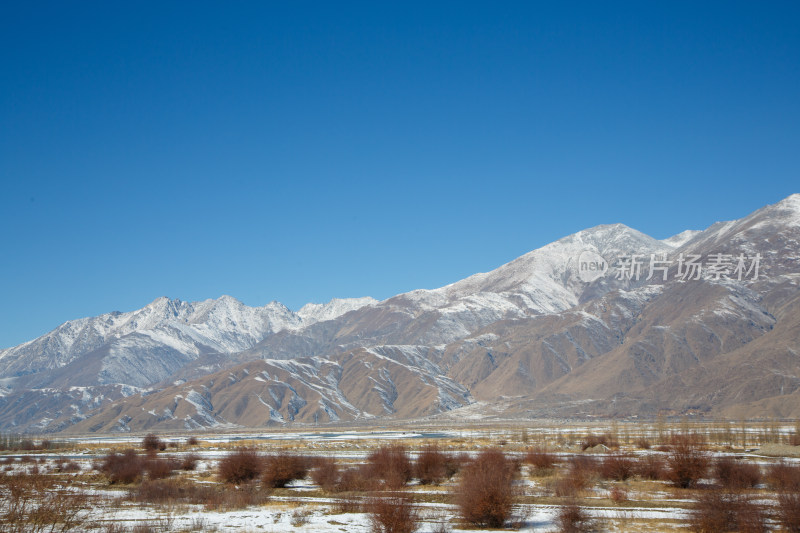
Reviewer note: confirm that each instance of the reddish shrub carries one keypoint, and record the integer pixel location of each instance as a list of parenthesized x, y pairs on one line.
[(784, 477), (687, 462), (618, 467), (606, 440), (717, 512), (151, 443), (240, 465), (282, 468), (540, 459), (618, 494), (643, 443), (391, 465), (356, 479), (572, 518), (651, 467), (579, 474), (325, 473), (485, 493), (192, 441), (189, 462), (431, 465), (160, 468), (735, 475), (126, 467), (788, 512), (392, 514)]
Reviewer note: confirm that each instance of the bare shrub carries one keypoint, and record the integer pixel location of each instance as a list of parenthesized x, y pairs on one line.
[(356, 479), (392, 514), (485, 493), (580, 472), (126, 467), (540, 459), (189, 462), (172, 491), (192, 441), (572, 518), (618, 467), (151, 443), (159, 468), (642, 443), (687, 463), (283, 468), (652, 467), (325, 473), (431, 465), (736, 475), (37, 503), (391, 465), (239, 497), (788, 511), (717, 512), (618, 494), (784, 477), (347, 503), (606, 439), (243, 464)]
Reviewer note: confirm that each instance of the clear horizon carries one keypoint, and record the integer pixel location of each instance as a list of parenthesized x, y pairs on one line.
[(303, 152)]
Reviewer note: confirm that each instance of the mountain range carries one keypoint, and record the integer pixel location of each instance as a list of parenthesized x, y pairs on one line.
[(630, 331)]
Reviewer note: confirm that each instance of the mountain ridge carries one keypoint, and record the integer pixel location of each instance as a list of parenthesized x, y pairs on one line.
[(531, 332)]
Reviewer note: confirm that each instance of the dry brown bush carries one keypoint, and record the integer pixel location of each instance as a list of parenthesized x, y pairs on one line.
[(283, 468), (784, 477), (606, 439), (540, 459), (151, 443), (391, 465), (485, 492), (239, 497), (618, 494), (172, 491), (618, 467), (38, 503), (192, 441), (243, 464), (126, 467), (717, 512), (736, 475), (687, 461), (392, 514), (652, 467), (325, 473), (160, 468), (580, 473), (642, 443), (788, 511), (431, 465), (189, 462), (356, 479), (572, 518)]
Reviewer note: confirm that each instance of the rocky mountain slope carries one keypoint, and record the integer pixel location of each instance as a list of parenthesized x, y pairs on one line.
[(535, 334)]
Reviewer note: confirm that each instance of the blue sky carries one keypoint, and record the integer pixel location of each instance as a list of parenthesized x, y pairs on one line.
[(299, 151)]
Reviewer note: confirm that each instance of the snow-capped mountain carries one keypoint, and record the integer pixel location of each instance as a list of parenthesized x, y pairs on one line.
[(145, 346), (533, 333)]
